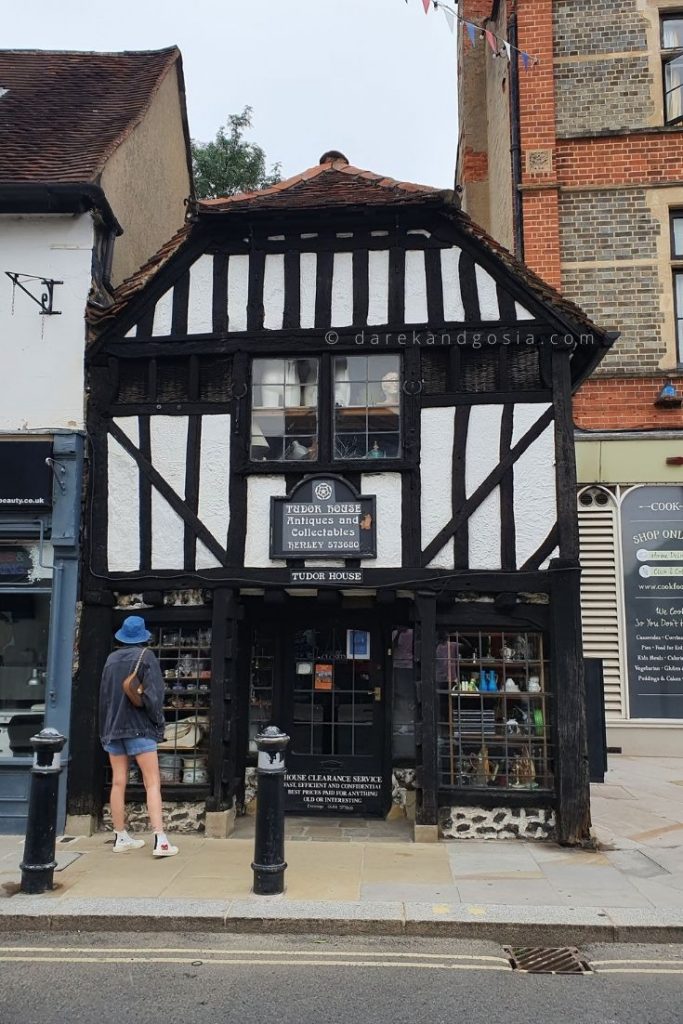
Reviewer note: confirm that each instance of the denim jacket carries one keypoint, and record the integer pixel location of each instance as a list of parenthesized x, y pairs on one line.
[(119, 718)]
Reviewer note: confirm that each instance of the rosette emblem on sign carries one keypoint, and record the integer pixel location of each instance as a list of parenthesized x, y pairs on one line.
[(323, 490), (323, 518)]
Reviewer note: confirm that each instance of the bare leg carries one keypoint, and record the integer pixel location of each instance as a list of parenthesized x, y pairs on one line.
[(149, 766), (117, 800)]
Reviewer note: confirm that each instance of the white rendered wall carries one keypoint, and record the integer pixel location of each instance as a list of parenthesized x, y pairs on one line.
[(42, 356), (436, 480), (260, 489), (386, 488)]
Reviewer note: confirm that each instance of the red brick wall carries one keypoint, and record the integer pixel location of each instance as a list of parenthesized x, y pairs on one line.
[(644, 159), (626, 403), (475, 166)]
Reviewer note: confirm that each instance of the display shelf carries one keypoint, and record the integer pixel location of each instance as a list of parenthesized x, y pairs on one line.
[(497, 737)]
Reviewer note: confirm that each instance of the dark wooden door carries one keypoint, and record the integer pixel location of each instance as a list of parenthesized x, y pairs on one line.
[(334, 690)]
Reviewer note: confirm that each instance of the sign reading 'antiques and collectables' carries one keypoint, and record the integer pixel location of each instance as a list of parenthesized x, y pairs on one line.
[(25, 476), (652, 545), (323, 517)]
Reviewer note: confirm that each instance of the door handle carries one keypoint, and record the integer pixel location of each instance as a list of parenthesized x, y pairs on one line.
[(378, 693)]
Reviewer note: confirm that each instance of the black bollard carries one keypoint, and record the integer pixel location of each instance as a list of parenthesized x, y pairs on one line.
[(269, 847), (38, 865)]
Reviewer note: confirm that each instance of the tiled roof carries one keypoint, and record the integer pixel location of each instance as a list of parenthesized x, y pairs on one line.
[(64, 113), (336, 184), (333, 183)]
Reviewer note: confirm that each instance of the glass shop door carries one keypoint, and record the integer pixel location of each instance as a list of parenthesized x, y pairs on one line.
[(334, 710)]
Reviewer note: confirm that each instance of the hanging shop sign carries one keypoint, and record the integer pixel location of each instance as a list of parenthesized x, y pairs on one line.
[(652, 546), (323, 517), (25, 475)]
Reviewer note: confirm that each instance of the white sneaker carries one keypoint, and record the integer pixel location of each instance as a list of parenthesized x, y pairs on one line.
[(164, 849), (125, 843)]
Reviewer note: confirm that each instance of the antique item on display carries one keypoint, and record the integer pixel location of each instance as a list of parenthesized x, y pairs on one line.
[(523, 771), (534, 684), (511, 686), (482, 770), (521, 648)]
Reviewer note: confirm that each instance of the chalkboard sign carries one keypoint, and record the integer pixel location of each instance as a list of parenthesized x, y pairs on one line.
[(323, 517), (652, 545)]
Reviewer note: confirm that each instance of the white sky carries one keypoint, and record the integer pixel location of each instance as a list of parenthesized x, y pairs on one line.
[(373, 78)]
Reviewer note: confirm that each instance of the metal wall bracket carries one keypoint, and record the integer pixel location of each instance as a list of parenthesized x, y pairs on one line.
[(47, 295)]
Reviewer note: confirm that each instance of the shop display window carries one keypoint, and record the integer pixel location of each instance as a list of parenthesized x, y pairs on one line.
[(494, 711), (261, 678), (184, 654), (24, 632)]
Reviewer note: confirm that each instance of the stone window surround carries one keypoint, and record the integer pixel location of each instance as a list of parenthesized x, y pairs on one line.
[(652, 11)]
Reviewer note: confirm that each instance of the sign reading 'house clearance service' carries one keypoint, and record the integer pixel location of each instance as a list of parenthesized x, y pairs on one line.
[(323, 517)]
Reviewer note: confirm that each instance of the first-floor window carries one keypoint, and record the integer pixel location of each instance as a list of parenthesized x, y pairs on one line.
[(672, 63), (677, 265), (363, 406)]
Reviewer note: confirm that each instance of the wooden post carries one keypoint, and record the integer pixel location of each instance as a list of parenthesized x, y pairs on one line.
[(222, 743), (86, 772), (426, 820)]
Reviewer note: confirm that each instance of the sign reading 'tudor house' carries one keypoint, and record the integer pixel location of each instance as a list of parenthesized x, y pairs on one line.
[(323, 517)]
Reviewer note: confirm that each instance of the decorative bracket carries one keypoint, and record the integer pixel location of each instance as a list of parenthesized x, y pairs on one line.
[(46, 298)]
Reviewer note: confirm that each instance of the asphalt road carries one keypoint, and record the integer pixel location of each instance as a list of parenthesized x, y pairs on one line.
[(247, 979)]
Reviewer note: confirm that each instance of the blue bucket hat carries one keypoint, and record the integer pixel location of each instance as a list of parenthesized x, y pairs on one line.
[(133, 631)]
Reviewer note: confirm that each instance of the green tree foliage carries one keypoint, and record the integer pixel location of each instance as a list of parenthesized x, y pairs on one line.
[(230, 164)]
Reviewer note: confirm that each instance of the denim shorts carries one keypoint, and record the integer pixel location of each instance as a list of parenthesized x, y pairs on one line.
[(131, 745)]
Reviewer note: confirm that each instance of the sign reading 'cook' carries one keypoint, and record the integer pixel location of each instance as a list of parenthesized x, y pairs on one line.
[(323, 517)]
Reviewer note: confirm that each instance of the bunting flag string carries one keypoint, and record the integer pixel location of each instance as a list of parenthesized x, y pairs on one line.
[(499, 47)]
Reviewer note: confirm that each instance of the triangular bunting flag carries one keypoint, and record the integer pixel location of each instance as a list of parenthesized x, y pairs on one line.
[(507, 49), (525, 60), (449, 16), (472, 33), (426, 4), (491, 39)]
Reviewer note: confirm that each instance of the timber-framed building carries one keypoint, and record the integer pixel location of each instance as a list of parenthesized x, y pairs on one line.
[(332, 462)]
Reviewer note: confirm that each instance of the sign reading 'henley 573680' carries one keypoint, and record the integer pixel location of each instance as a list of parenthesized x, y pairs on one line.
[(323, 517)]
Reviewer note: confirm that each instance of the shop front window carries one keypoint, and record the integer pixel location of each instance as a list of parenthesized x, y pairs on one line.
[(494, 711), (24, 631), (367, 407), (284, 410)]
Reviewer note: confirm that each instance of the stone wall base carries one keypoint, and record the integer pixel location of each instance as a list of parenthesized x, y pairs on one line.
[(497, 823), (178, 817)]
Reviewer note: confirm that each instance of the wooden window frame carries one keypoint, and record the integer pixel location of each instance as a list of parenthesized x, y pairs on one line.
[(676, 273)]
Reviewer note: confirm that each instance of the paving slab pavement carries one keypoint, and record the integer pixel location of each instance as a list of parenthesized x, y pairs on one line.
[(373, 879)]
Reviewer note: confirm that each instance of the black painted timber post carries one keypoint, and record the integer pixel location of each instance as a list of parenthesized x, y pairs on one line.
[(269, 847), (38, 864)]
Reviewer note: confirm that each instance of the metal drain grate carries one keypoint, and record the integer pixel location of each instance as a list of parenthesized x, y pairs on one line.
[(543, 960)]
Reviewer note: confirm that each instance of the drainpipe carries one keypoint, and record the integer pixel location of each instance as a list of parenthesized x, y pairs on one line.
[(515, 141)]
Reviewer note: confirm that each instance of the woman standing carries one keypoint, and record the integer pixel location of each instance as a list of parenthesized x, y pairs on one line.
[(128, 731)]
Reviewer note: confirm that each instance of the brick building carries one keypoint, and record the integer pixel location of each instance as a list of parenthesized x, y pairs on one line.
[(577, 166)]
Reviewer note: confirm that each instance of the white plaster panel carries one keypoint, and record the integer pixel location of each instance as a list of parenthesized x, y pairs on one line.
[(535, 498), (200, 297), (482, 454), (214, 484), (204, 559), (163, 314), (387, 490), (488, 296), (523, 313), (342, 289), (260, 489), (524, 416), (308, 265), (436, 479), (484, 529), (123, 488), (238, 292), (453, 308), (168, 443), (43, 355), (132, 332), (415, 287), (378, 286), (274, 291)]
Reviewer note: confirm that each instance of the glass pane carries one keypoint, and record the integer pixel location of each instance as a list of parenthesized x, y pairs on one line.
[(673, 87), (678, 278), (677, 233), (672, 32), (367, 414), (24, 629), (284, 420)]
